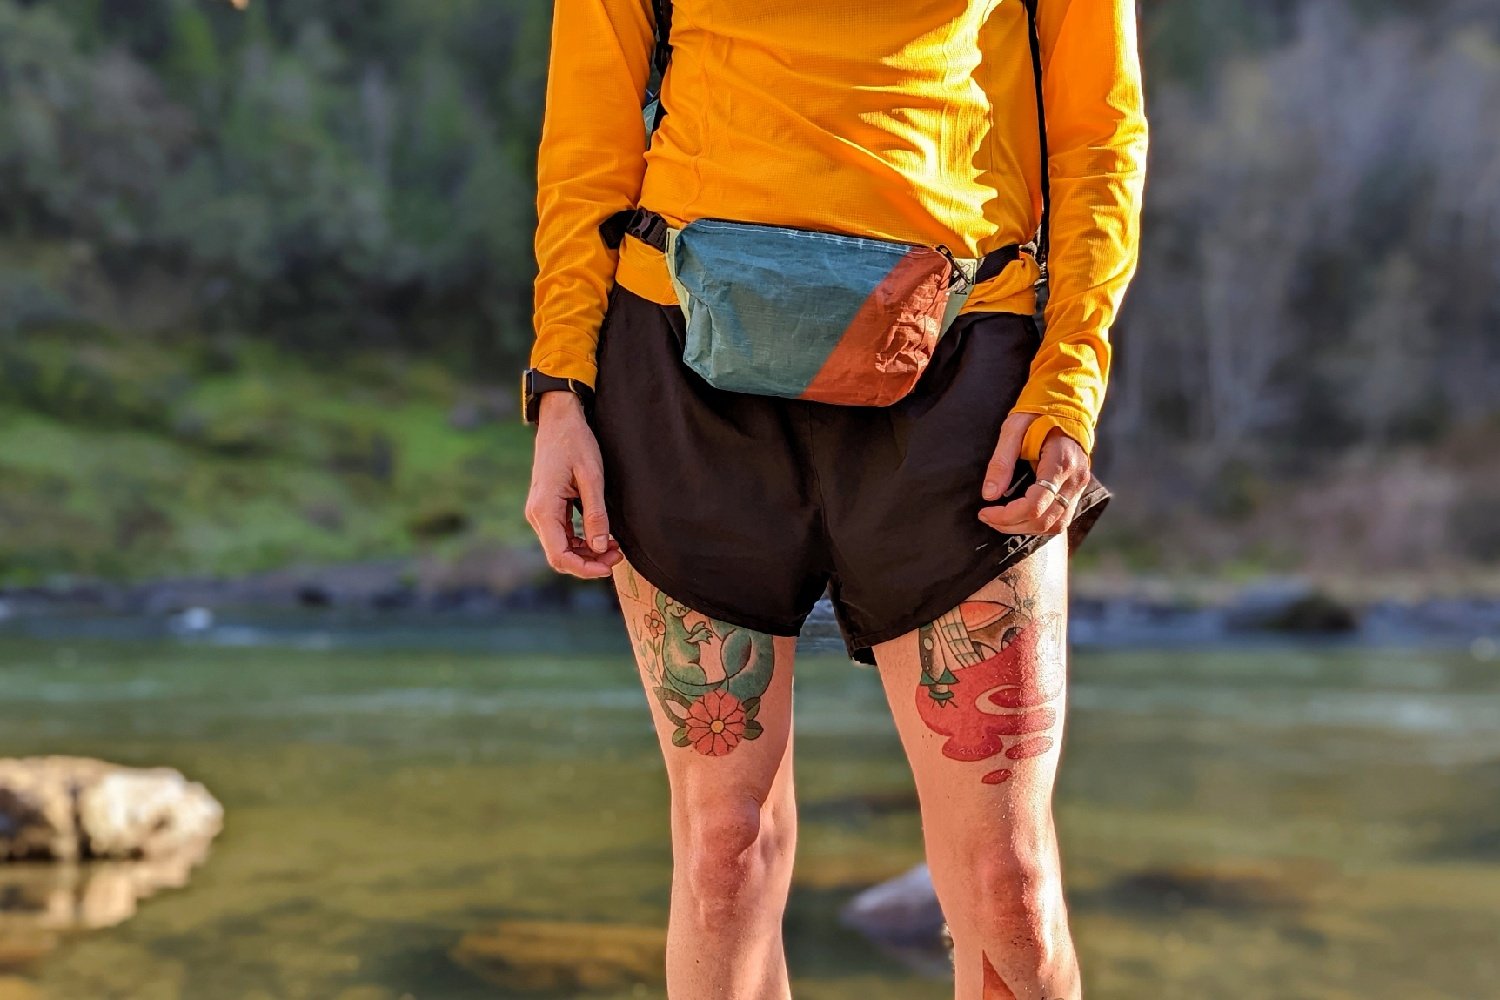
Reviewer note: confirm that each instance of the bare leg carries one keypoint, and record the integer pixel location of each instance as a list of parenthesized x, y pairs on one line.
[(978, 698), (721, 700)]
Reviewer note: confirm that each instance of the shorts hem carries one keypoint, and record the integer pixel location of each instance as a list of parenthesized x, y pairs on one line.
[(860, 645), (691, 598)]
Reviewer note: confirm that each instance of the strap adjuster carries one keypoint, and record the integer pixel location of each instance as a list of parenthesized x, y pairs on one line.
[(650, 228)]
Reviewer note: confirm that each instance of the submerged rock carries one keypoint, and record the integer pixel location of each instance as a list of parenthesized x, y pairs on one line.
[(77, 808), (902, 911), (555, 957), (14, 988), (901, 917), (1230, 887), (366, 993)]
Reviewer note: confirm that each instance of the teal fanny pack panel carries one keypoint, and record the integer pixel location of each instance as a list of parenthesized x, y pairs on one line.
[(811, 315)]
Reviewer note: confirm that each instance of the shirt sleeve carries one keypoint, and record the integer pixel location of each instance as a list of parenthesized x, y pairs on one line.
[(589, 166), (1097, 137)]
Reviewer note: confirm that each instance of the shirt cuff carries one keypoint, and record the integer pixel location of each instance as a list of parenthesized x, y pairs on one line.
[(566, 364), (1078, 430)]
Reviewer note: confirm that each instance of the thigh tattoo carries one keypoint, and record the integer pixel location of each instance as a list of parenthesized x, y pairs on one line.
[(708, 676), (990, 668)]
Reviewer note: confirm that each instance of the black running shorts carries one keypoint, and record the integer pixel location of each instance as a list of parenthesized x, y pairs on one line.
[(746, 508)]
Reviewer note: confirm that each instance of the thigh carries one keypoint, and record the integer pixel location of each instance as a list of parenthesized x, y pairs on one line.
[(978, 698), (720, 695)]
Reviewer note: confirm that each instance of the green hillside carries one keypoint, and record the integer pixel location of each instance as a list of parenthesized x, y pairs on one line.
[(125, 458)]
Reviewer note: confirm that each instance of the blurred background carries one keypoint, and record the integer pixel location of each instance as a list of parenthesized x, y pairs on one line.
[(264, 294)]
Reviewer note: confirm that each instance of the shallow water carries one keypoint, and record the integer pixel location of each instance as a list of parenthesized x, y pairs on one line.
[(385, 798)]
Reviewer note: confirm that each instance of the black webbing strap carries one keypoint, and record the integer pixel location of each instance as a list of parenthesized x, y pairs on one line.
[(644, 225), (661, 55), (614, 229), (651, 229), (994, 262), (1042, 232)]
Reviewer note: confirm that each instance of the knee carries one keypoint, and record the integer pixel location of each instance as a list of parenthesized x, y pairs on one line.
[(1016, 898), (732, 851)]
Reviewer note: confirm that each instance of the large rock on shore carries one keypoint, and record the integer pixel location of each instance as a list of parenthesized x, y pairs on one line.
[(79, 809)]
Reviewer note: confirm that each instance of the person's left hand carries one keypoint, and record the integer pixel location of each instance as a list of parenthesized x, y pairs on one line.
[(1040, 511)]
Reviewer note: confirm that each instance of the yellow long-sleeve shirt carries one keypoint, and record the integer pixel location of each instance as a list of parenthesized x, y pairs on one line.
[(912, 122)]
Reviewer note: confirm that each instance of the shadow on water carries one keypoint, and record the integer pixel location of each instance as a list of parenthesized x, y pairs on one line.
[(1264, 822)]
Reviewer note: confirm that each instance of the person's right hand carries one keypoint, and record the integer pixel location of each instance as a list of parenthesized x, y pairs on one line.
[(566, 466)]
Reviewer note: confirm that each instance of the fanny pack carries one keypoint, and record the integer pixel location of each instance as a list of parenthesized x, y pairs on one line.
[(811, 315), (803, 314)]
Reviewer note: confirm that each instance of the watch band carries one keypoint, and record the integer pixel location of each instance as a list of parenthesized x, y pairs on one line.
[(535, 383)]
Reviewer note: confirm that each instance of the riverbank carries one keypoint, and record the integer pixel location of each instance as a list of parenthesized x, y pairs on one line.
[(495, 587)]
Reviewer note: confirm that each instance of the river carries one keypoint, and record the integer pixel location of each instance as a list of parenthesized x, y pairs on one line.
[(1280, 821)]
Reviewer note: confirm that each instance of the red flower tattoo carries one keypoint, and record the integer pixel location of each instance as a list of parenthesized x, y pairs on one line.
[(715, 723), (655, 624)]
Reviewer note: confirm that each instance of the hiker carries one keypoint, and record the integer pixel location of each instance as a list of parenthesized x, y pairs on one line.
[(784, 343)]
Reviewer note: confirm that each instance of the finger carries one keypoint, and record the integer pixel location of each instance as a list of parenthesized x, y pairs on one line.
[(1051, 469), (582, 561), (1055, 518), (590, 479), (1078, 486), (565, 552), (1066, 467), (1065, 511), (1023, 515), (1002, 463), (1040, 510), (553, 528)]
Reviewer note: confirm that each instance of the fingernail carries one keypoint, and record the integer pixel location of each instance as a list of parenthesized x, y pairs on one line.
[(599, 543), (991, 489)]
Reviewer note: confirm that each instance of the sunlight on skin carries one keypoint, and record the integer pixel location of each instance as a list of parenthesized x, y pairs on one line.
[(978, 699)]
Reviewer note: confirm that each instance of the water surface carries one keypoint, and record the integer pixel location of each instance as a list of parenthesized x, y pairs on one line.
[(1278, 823)]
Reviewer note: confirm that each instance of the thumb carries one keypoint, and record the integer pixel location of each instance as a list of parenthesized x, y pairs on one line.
[(590, 481), (1003, 462)]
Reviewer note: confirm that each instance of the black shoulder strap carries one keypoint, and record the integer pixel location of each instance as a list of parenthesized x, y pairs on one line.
[(662, 54), (1042, 235), (613, 229)]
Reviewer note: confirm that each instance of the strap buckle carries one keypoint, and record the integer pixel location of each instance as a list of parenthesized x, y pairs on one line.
[(650, 228)]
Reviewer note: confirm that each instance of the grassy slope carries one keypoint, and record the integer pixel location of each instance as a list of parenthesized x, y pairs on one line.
[(135, 458), (125, 458)]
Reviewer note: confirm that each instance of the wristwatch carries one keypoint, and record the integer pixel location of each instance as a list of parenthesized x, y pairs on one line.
[(534, 383)]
